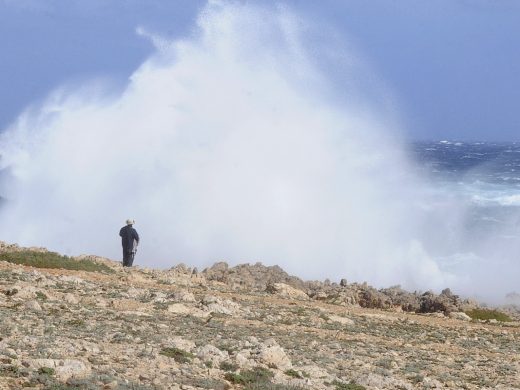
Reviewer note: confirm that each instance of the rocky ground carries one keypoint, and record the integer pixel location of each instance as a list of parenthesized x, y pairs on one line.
[(250, 326)]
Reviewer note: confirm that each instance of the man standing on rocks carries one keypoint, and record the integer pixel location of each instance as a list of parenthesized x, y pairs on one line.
[(129, 240)]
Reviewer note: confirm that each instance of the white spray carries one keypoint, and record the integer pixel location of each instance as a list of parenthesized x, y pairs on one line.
[(225, 146)]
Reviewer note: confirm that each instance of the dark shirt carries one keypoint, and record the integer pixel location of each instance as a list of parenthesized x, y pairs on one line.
[(128, 235)]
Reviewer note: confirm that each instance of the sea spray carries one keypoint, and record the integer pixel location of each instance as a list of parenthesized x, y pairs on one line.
[(229, 145)]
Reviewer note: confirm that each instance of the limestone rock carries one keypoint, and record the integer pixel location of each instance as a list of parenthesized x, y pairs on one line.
[(179, 308), (210, 353), (242, 359), (33, 305), (184, 296), (71, 299), (341, 320), (213, 304), (272, 355), (22, 291), (446, 303), (182, 343), (286, 291), (64, 369), (250, 277), (460, 316), (71, 279)]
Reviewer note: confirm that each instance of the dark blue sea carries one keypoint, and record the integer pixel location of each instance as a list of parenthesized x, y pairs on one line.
[(474, 188), (483, 180), (492, 170), (485, 175)]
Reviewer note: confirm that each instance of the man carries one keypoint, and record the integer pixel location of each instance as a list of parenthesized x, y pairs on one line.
[(129, 240)]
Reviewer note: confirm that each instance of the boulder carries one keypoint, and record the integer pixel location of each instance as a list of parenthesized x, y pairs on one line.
[(71, 299), (184, 296), (21, 291), (183, 344), (33, 305), (341, 320), (274, 356), (254, 277), (64, 368), (213, 304), (431, 303), (179, 308), (210, 353), (459, 315), (286, 291)]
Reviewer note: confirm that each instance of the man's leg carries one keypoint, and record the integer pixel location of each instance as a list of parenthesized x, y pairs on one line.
[(126, 256), (130, 261)]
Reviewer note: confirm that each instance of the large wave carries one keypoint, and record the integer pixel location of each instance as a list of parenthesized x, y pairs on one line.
[(232, 144)]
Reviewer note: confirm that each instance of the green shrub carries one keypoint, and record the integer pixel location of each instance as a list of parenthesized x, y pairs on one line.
[(41, 296), (177, 354), (258, 378), (272, 386), (76, 322), (347, 386), (246, 377), (52, 260), (324, 317), (61, 386), (418, 378), (207, 383), (227, 366), (46, 371), (9, 371), (234, 378), (488, 314), (293, 373)]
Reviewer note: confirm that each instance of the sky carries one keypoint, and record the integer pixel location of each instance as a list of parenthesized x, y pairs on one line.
[(452, 66)]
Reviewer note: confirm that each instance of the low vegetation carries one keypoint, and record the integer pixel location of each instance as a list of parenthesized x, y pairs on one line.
[(488, 314), (227, 366), (293, 373), (258, 378), (52, 260), (348, 386), (179, 355), (9, 371), (246, 377), (47, 371)]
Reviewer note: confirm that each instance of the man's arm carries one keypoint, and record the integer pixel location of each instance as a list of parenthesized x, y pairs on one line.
[(136, 236)]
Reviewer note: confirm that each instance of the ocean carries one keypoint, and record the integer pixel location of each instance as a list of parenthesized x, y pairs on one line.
[(486, 176), (483, 180), (490, 170)]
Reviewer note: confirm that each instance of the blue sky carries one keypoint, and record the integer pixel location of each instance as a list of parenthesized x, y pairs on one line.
[(454, 66)]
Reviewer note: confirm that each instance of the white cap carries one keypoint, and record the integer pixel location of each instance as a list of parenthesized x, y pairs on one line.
[(130, 221)]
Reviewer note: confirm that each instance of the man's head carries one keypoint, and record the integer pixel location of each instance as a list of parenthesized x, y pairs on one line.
[(130, 222)]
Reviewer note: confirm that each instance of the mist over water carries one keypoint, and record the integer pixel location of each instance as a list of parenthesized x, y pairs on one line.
[(234, 145)]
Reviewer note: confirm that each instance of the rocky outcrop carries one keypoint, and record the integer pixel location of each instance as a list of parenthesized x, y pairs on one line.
[(286, 291), (174, 329), (272, 355), (274, 280), (62, 368), (459, 316), (250, 277)]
